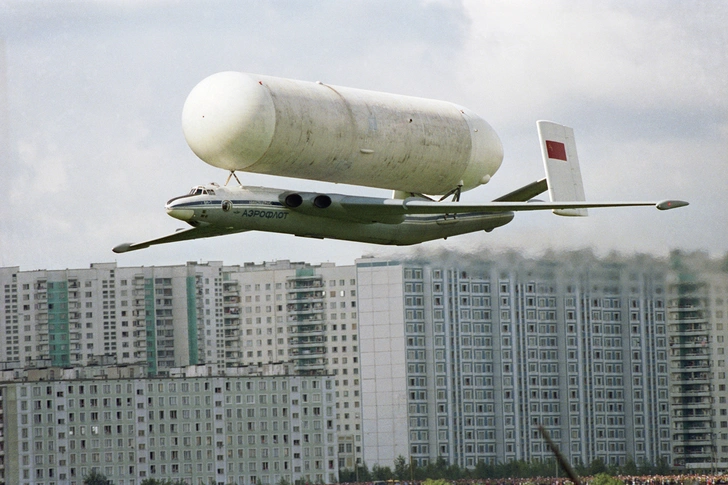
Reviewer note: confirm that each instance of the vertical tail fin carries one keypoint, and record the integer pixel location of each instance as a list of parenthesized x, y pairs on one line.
[(558, 149)]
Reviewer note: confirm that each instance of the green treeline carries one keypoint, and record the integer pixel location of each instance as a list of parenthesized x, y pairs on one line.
[(441, 469)]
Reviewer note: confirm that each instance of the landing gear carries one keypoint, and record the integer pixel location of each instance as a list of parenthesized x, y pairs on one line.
[(232, 175)]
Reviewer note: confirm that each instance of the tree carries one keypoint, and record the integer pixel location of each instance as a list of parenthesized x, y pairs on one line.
[(439, 481), (359, 474), (401, 468), (96, 478), (484, 470), (662, 467), (438, 469), (597, 467), (382, 473), (604, 479), (630, 468)]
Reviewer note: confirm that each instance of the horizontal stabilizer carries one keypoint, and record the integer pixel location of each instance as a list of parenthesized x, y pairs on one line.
[(561, 163), (525, 193)]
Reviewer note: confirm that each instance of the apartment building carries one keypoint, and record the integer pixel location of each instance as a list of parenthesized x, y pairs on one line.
[(223, 429), (453, 356), (463, 359), (303, 314), (105, 314), (192, 314), (698, 310)]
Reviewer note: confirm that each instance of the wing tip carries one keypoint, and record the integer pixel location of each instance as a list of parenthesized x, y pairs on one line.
[(122, 248), (126, 247), (671, 204)]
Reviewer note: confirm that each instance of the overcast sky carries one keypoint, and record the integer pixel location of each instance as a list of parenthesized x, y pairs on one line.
[(92, 147)]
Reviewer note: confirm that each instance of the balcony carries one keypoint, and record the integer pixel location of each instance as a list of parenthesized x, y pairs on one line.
[(691, 376), (689, 341), (304, 283), (690, 416), (690, 328), (310, 363), (231, 321), (302, 319), (698, 351), (307, 351), (691, 403), (304, 308), (306, 329), (306, 340), (230, 287), (306, 295)]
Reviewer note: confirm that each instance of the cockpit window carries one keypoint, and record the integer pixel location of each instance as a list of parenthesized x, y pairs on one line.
[(201, 191)]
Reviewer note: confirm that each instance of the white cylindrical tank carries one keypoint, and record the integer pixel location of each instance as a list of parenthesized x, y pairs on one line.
[(264, 124)]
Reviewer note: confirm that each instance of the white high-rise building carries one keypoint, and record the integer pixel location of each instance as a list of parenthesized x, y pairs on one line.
[(464, 359), (459, 357), (193, 314), (698, 330), (79, 317)]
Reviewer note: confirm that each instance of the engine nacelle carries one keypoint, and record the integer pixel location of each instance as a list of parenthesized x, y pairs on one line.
[(330, 206)]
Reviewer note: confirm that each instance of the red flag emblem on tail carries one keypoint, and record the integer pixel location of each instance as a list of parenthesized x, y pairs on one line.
[(556, 150)]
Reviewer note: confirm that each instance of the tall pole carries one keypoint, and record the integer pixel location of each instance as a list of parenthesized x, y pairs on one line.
[(559, 457)]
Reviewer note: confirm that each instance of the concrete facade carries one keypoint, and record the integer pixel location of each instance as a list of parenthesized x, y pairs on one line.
[(228, 429), (460, 357), (464, 359)]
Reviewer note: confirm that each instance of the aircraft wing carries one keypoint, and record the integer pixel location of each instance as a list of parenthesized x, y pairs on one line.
[(393, 211), (424, 207), (180, 235), (383, 208)]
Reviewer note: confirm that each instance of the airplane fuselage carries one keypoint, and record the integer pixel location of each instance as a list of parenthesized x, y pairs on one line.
[(238, 209)]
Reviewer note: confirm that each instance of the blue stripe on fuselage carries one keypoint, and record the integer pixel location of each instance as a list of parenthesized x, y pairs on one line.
[(207, 203)]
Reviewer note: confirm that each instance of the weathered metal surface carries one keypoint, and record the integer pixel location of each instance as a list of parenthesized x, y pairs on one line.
[(276, 126)]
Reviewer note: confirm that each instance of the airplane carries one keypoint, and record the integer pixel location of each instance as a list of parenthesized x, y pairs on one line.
[(405, 219)]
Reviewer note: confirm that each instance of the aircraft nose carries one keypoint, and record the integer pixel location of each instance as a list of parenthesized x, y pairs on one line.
[(177, 212)]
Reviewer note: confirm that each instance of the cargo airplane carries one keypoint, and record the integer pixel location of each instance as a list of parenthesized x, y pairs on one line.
[(413, 146)]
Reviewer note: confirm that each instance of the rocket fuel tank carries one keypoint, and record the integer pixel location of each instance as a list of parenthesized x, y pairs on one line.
[(276, 126)]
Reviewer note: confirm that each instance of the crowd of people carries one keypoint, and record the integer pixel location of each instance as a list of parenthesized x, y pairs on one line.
[(627, 480), (674, 480)]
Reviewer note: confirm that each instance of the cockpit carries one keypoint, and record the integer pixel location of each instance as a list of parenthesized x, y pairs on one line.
[(201, 190), (197, 190)]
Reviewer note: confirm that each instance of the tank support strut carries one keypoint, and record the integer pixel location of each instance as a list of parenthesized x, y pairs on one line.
[(232, 175), (455, 194)]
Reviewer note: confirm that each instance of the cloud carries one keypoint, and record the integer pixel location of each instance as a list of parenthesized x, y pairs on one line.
[(95, 93), (566, 56)]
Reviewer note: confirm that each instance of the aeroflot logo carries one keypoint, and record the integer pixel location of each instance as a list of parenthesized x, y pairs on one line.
[(265, 214), (556, 150)]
